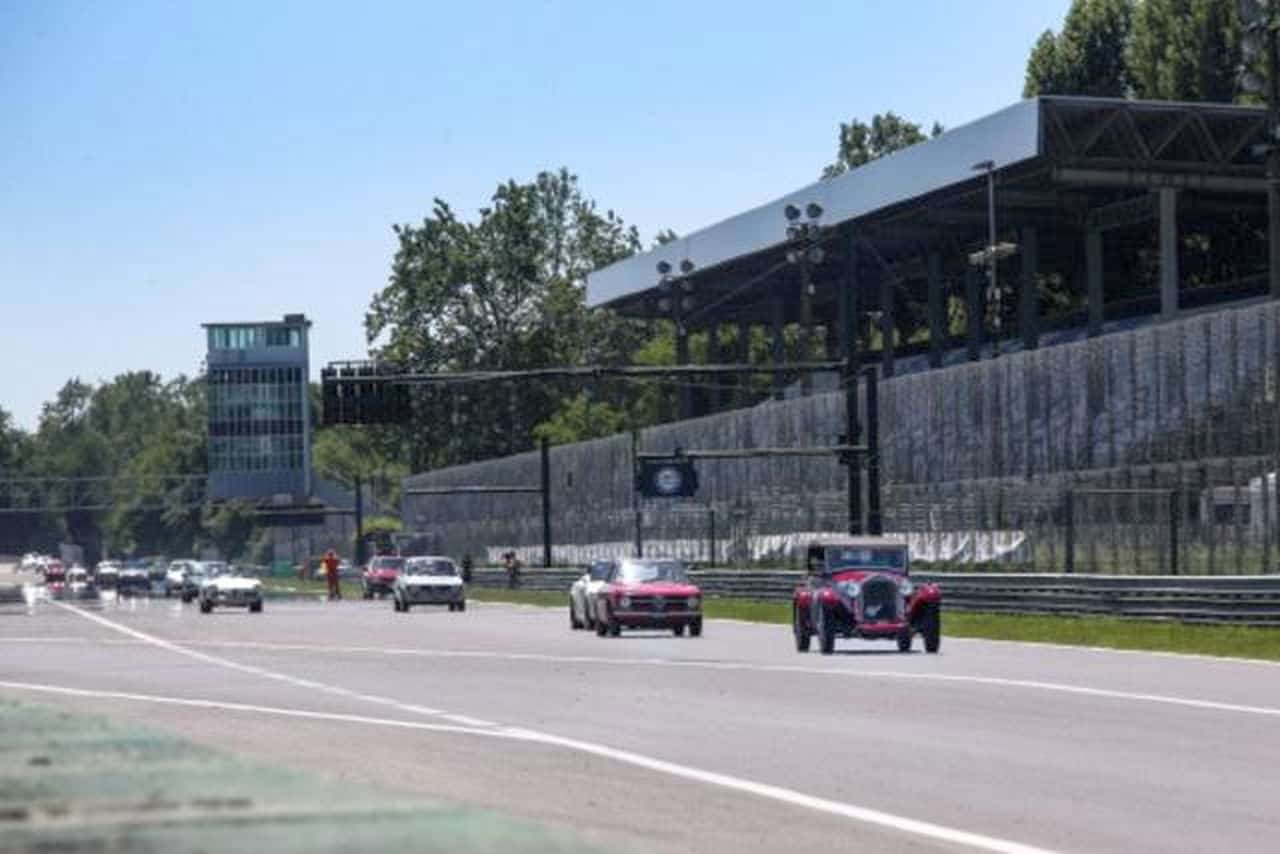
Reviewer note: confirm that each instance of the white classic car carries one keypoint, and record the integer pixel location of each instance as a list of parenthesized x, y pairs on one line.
[(583, 593), (230, 591), (429, 581)]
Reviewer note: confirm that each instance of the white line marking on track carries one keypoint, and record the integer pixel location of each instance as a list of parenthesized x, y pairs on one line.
[(928, 830), (992, 681)]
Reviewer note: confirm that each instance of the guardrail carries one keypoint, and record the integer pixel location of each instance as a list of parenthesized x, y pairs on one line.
[(1241, 600)]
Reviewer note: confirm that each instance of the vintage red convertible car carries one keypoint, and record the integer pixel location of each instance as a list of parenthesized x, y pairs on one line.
[(861, 588), (642, 593)]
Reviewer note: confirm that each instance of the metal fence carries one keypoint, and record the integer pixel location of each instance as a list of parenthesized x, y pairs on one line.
[(1240, 601)]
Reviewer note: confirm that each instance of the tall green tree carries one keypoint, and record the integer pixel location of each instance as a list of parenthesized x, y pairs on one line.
[(859, 143), (504, 292), (1088, 56), (1185, 50)]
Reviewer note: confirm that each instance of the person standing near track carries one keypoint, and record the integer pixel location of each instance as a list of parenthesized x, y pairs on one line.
[(331, 573)]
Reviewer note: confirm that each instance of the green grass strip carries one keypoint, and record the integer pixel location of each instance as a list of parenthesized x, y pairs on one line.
[(1108, 632)]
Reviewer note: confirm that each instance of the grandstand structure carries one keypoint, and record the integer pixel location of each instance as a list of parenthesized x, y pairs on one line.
[(1108, 214)]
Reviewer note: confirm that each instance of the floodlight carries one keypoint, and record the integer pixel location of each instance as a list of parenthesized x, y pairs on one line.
[(1252, 82), (686, 266), (687, 304), (792, 212), (664, 267), (664, 305), (816, 255), (813, 210), (793, 257)]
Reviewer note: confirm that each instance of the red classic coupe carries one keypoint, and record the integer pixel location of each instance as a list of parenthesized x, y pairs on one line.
[(644, 593)]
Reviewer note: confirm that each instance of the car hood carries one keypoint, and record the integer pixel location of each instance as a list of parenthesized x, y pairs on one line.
[(657, 588), (864, 574)]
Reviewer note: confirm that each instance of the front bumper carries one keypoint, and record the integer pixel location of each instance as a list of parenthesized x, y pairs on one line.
[(379, 586), (234, 598), (655, 619), (432, 595)]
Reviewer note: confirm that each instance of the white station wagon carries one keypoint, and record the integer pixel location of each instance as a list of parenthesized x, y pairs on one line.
[(429, 581)]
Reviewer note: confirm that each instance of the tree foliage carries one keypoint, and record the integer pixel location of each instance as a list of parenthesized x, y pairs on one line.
[(859, 143), (1185, 50), (505, 292), (1087, 57), (1178, 50)]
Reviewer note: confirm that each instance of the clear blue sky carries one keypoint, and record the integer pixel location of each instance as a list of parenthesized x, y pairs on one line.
[(166, 164)]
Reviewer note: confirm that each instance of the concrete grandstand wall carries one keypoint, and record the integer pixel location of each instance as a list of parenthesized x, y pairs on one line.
[(983, 446)]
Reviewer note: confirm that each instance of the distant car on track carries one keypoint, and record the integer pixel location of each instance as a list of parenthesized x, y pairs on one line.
[(54, 572), (429, 581), (175, 577), (861, 588), (583, 593), (106, 573), (379, 577), (133, 580), (228, 590), (642, 593)]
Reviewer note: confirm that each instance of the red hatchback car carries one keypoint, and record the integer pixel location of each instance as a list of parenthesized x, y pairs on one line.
[(380, 575), (649, 594)]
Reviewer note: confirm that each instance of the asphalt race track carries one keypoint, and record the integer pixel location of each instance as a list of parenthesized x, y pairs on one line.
[(729, 742)]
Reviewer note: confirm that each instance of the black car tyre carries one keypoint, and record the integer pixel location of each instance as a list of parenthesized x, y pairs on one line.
[(615, 628), (462, 606), (826, 633), (678, 631), (365, 592), (255, 607), (206, 607), (931, 628), (904, 641), (602, 628), (801, 631), (695, 628)]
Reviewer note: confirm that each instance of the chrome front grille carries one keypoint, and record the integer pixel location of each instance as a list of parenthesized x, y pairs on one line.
[(879, 600)]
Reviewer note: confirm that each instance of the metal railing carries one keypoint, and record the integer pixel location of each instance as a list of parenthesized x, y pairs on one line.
[(1243, 600)]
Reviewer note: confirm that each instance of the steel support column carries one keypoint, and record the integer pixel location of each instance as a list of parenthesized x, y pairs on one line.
[(1029, 290), (1168, 253), (887, 325), (938, 332), (684, 393), (1095, 293), (973, 311), (778, 346), (742, 385), (850, 323)]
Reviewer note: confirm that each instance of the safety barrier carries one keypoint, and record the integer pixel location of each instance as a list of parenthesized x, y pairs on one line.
[(1242, 600)]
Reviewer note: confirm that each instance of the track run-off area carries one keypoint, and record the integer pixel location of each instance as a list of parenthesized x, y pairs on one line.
[(728, 742)]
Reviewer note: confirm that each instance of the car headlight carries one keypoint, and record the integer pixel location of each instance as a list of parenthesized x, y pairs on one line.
[(905, 588), (625, 601), (850, 588), (693, 603)]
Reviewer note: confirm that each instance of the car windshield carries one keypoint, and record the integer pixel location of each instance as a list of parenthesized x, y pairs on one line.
[(850, 557), (213, 568), (396, 563), (600, 571), (642, 571), (432, 567)]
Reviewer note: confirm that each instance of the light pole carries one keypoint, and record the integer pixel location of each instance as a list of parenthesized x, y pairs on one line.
[(991, 254), (1261, 21), (805, 237)]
